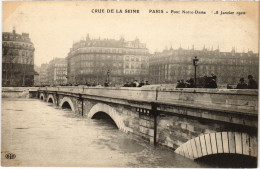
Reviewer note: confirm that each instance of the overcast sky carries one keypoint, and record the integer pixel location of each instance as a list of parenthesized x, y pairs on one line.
[(53, 26)]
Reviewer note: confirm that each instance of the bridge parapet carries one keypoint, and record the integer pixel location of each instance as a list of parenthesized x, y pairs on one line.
[(231, 99), (124, 93), (227, 99)]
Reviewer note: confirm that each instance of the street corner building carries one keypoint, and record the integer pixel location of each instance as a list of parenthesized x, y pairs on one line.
[(17, 60), (94, 60)]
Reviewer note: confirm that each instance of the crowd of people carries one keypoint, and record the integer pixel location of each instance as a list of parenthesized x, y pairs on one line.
[(252, 84), (211, 82), (187, 84), (136, 84), (202, 82)]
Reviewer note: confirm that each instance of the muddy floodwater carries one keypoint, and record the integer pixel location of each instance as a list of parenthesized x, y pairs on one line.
[(41, 134)]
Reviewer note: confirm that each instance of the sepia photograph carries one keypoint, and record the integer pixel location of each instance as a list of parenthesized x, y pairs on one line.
[(130, 84)]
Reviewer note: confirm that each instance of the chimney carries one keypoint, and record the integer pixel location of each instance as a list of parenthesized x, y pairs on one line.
[(14, 30)]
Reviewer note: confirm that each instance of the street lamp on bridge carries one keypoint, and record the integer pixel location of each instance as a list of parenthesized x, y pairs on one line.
[(108, 74), (195, 64)]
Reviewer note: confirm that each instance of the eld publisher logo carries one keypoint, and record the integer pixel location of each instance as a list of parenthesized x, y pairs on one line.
[(10, 156)]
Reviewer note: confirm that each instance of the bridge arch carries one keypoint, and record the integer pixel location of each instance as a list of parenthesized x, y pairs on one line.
[(100, 107), (42, 97), (50, 99), (219, 143), (67, 100)]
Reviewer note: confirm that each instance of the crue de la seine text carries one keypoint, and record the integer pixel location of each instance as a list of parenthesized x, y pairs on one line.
[(163, 11)]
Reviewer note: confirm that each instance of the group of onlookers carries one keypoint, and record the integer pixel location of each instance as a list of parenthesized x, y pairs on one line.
[(187, 84), (202, 82), (136, 84), (252, 84), (211, 82)]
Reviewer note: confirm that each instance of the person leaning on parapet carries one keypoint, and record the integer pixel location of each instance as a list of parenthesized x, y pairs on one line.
[(141, 84), (136, 84), (126, 84), (241, 84), (213, 82), (147, 83), (190, 83), (106, 84), (206, 81), (181, 84), (178, 84), (252, 84)]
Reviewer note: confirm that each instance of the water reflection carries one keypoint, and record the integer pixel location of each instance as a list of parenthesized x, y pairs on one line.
[(41, 134)]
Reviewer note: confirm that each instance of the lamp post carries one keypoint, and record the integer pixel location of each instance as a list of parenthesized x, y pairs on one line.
[(108, 74), (195, 64)]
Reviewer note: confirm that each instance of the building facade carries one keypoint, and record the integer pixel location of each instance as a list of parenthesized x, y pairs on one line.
[(43, 75), (118, 61), (60, 72), (36, 76), (57, 72), (172, 65), (17, 59)]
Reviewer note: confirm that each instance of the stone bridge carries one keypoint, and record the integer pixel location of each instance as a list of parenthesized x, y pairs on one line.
[(193, 122)]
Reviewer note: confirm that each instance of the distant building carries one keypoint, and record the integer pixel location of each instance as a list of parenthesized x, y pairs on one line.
[(57, 71), (17, 59), (90, 60), (36, 76), (43, 75), (172, 65), (60, 72)]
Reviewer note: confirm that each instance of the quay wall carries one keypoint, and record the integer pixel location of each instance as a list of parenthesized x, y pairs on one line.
[(19, 92)]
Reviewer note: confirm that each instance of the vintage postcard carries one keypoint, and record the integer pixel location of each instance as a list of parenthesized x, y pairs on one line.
[(130, 84)]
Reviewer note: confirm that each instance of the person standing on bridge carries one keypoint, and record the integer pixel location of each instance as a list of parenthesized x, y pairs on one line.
[(252, 84), (141, 84), (147, 83), (136, 84), (241, 84), (106, 84), (181, 84)]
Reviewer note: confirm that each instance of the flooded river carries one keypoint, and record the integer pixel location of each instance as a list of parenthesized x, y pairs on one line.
[(40, 134)]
